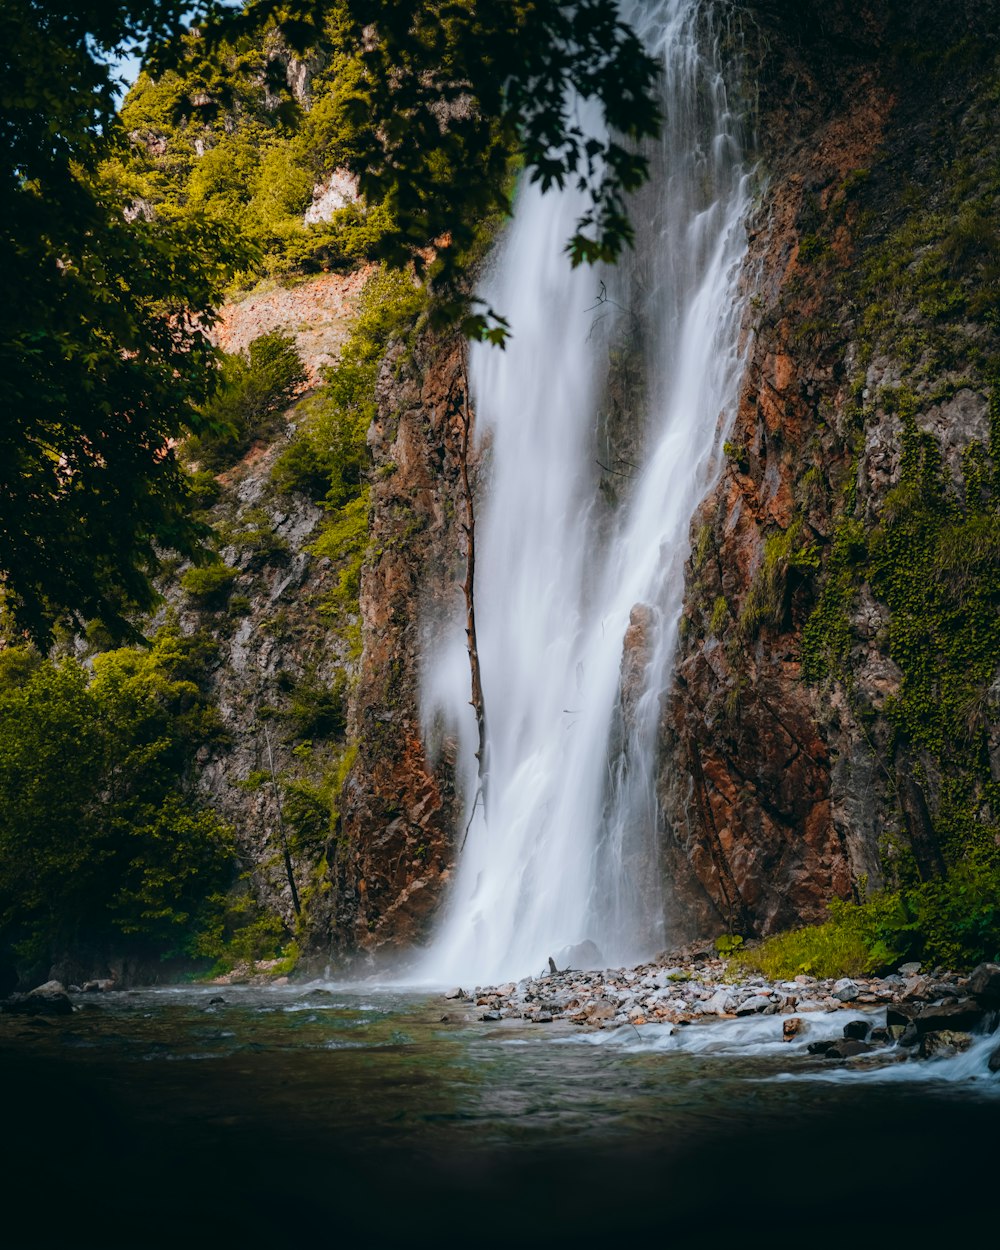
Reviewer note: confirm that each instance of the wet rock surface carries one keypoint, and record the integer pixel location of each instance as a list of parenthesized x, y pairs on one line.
[(49, 999)]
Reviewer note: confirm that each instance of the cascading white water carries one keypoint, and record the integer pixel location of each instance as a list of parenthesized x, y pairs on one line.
[(567, 848)]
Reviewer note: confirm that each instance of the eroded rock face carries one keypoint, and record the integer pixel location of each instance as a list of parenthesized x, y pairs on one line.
[(777, 792), (400, 808)]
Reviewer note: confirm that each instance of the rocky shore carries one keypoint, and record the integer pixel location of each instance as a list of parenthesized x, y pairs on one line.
[(928, 1013), (910, 1013)]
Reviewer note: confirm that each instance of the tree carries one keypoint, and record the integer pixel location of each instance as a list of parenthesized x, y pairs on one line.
[(103, 331), (101, 833), (104, 317)]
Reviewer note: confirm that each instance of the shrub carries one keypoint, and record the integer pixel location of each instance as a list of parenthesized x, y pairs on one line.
[(209, 584)]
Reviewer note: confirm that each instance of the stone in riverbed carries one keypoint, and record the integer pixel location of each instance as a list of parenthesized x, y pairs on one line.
[(791, 1028), (857, 1030), (752, 1006), (961, 1015), (993, 1063), (900, 1014), (49, 999), (845, 990), (943, 1044), (984, 984), (848, 1048), (457, 992), (909, 1035), (598, 1010)]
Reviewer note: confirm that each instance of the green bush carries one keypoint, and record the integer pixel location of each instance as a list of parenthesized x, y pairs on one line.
[(953, 921), (819, 950), (209, 584)]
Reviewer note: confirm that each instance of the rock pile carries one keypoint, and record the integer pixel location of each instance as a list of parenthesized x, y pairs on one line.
[(933, 1013)]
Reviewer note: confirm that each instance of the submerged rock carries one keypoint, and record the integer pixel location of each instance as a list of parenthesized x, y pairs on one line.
[(943, 1043)]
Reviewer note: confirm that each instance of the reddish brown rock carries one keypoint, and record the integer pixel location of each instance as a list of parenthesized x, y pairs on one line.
[(399, 811)]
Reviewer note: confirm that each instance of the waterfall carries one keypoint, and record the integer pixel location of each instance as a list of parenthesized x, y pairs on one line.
[(600, 428)]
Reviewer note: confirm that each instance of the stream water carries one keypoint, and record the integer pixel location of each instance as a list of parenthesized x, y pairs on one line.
[(322, 1115)]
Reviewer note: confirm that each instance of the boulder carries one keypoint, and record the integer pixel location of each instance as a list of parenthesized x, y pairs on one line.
[(598, 1010), (845, 990), (847, 1049), (959, 1014), (857, 1030), (583, 956), (753, 1005), (993, 1063), (943, 1043), (791, 1028), (984, 984), (820, 1048), (457, 992), (49, 999), (900, 1014)]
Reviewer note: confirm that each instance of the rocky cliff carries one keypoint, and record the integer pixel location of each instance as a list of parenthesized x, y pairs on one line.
[(833, 716), (399, 811), (809, 739)]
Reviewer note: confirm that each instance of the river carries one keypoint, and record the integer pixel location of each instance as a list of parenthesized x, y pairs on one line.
[(313, 1115)]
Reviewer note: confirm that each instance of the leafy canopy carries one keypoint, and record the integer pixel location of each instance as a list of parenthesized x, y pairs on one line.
[(103, 331)]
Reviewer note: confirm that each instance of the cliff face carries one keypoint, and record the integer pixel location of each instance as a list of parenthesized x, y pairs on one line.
[(796, 763), (789, 773), (399, 810), (277, 655)]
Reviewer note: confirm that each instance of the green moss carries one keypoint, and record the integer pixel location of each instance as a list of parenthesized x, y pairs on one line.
[(720, 614), (766, 603), (826, 637)]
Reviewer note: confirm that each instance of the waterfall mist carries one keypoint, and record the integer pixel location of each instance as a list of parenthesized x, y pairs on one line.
[(600, 427)]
